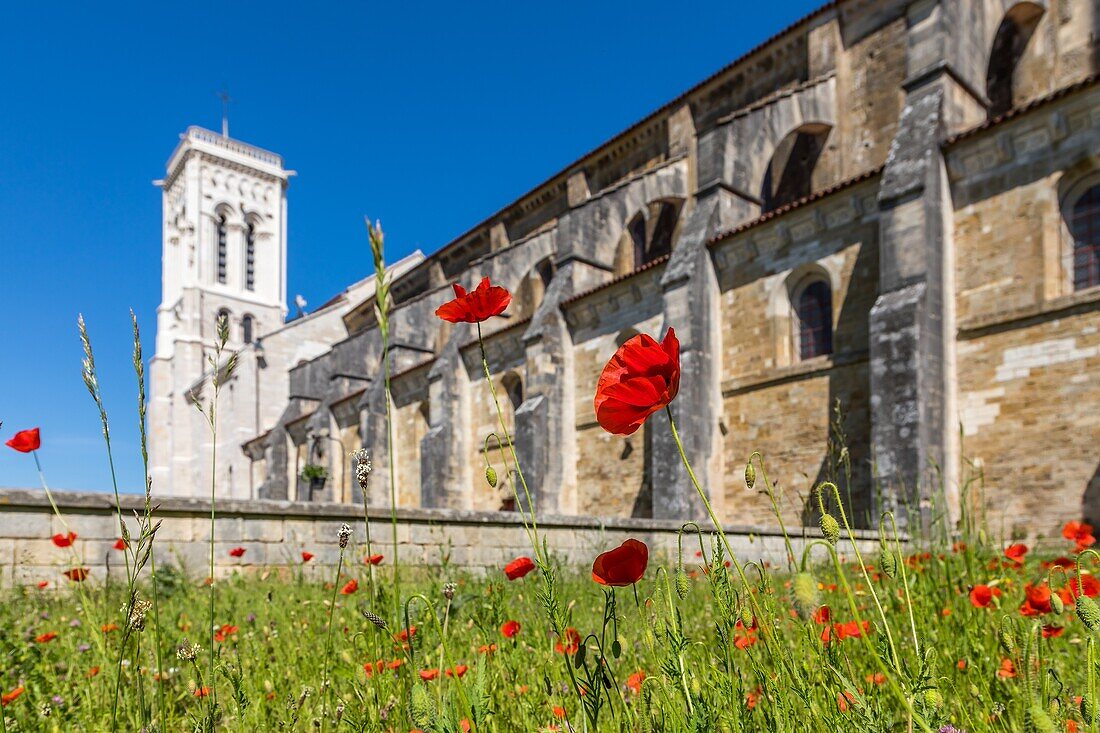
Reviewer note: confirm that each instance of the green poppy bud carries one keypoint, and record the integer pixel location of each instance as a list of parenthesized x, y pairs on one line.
[(830, 528), (491, 476), (750, 475)]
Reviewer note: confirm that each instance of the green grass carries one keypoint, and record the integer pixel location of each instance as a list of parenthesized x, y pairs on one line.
[(703, 671)]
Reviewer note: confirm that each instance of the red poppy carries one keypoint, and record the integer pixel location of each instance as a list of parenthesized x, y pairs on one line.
[(9, 697), (201, 691), (224, 632), (1007, 670), (237, 552), (429, 674), (371, 668), (509, 629), (404, 634), (559, 712), (43, 583), (374, 560), (486, 648), (120, 544), (77, 575), (307, 556), (25, 441), (822, 615), (395, 664), (640, 379), (1052, 632), (108, 628), (46, 637), (459, 670), (480, 305), (1037, 600), (634, 682), (981, 596), (92, 672), (622, 566), (64, 540), (519, 567), (572, 642), (878, 678), (1016, 553), (1080, 533), (350, 587)]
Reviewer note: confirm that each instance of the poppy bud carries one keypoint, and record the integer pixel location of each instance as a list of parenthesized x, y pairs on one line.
[(421, 708), (1088, 709), (805, 595), (830, 528), (1088, 613), (491, 476), (746, 616), (933, 698), (681, 584), (1008, 639), (888, 561), (750, 475), (616, 648), (1057, 604), (1039, 721)]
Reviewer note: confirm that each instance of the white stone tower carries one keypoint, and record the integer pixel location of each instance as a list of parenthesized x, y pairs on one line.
[(224, 251)]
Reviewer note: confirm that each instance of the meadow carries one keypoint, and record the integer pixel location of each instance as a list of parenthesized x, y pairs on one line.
[(950, 629)]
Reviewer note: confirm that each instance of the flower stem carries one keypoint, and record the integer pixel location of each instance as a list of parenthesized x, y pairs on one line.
[(325, 686)]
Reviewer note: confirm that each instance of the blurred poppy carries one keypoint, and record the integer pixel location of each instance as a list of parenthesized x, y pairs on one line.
[(9, 697), (641, 378), (374, 560), (46, 637), (350, 587), (43, 583), (404, 634), (64, 540), (1080, 534), (307, 556), (622, 566), (484, 302), (77, 575), (429, 674), (237, 552), (634, 682), (458, 671), (120, 544), (572, 642), (25, 441), (519, 567), (1007, 669), (1016, 553), (201, 691), (509, 629), (981, 596)]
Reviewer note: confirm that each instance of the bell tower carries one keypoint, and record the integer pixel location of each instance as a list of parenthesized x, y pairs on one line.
[(223, 253)]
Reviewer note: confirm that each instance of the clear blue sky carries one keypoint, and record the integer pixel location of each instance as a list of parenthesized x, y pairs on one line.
[(429, 117)]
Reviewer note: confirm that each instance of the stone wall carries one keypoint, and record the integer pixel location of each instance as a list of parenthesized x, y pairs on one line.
[(275, 533)]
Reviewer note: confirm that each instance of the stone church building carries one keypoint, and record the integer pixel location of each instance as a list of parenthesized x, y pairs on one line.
[(877, 235)]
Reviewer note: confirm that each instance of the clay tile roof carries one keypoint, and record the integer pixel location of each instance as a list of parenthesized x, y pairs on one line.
[(1015, 112), (776, 213)]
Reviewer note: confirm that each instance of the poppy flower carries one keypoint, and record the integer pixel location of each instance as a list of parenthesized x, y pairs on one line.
[(92, 672), (622, 566), (484, 302), (108, 628), (374, 560), (237, 552), (1007, 670), (77, 575), (458, 671), (307, 556), (1089, 585), (519, 567), (64, 540), (572, 642), (350, 587), (46, 637), (486, 648), (822, 615), (640, 379), (225, 632), (25, 441), (981, 596), (9, 697), (509, 629), (429, 674), (1052, 632), (1080, 533), (634, 682), (404, 634), (1036, 600), (43, 583), (372, 667), (120, 544), (1016, 553), (559, 712), (201, 691)]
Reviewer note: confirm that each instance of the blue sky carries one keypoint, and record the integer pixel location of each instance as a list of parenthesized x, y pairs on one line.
[(429, 116)]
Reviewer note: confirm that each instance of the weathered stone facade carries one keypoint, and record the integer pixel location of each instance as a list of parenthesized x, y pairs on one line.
[(863, 232)]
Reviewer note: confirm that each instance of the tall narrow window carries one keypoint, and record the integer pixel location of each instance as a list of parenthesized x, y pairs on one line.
[(815, 320), (223, 250), (246, 329), (1085, 226), (250, 257), (1008, 47)]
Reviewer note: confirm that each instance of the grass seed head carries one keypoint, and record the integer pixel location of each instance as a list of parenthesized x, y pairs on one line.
[(344, 535)]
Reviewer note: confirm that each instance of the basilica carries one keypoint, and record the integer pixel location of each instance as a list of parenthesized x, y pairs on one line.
[(877, 235)]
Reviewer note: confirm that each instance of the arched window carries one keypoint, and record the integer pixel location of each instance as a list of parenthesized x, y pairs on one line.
[(1084, 225), (223, 316), (223, 250), (648, 236), (246, 329), (789, 176), (513, 386), (815, 320), (1008, 46), (250, 257)]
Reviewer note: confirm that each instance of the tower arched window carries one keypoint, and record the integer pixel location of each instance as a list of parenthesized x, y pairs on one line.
[(223, 250), (247, 325), (815, 320), (789, 176), (1008, 46), (250, 257), (1084, 225)]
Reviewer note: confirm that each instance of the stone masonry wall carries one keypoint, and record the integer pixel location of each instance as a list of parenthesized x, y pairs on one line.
[(274, 533)]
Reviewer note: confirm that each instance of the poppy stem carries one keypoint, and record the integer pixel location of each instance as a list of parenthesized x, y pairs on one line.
[(634, 587), (328, 643)]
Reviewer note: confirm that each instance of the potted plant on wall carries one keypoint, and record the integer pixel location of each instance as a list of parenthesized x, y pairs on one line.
[(315, 476)]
